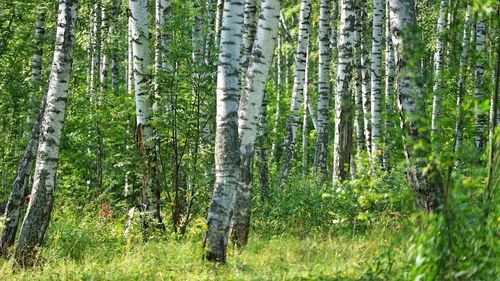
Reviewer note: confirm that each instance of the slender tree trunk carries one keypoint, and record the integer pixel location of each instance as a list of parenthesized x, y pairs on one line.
[(298, 88), (480, 96), (36, 63), (343, 102), (423, 177), (113, 32), (250, 107), (365, 75), (24, 169), (218, 22), (376, 81), (438, 64), (261, 150), (227, 156), (321, 152), (462, 78), (130, 58), (389, 91), (305, 128), (249, 29), (42, 195), (162, 12), (359, 120), (145, 132), (279, 81)]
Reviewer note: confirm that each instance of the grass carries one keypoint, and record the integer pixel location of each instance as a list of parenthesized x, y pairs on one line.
[(86, 249)]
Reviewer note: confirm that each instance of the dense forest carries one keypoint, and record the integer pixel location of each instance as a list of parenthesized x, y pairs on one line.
[(249, 140)]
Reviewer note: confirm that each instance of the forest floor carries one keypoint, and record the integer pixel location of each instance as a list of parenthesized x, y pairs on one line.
[(82, 249)]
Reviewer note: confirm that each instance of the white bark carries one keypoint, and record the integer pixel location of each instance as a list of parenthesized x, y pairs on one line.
[(376, 80), (389, 91), (279, 82), (144, 104), (462, 78), (305, 116), (249, 111), (321, 151), (359, 120), (365, 77), (298, 88), (438, 64), (480, 97), (162, 12), (227, 156), (41, 202), (249, 26), (343, 101)]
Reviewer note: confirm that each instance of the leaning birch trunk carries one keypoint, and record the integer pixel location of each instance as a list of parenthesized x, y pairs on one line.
[(389, 91), (250, 106), (40, 206), (343, 103), (321, 151), (438, 64), (298, 89), (462, 79), (227, 156), (24, 169), (36, 64), (480, 96), (249, 28), (145, 135), (376, 81), (423, 177)]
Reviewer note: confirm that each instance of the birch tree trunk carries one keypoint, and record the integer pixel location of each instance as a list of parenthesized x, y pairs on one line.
[(24, 169), (376, 81), (130, 59), (227, 157), (438, 64), (321, 151), (218, 22), (279, 82), (250, 107), (298, 88), (365, 75), (162, 12), (37, 216), (115, 34), (480, 96), (36, 63), (359, 120), (462, 78), (145, 134), (249, 27), (343, 103), (389, 91), (423, 177), (262, 161), (305, 116)]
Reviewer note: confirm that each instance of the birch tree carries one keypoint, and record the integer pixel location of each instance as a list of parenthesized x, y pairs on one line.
[(438, 64), (389, 89), (145, 133), (321, 151), (362, 16), (359, 120), (227, 156), (422, 177), (462, 78), (376, 80), (480, 96), (249, 111), (298, 88), (343, 103), (40, 206)]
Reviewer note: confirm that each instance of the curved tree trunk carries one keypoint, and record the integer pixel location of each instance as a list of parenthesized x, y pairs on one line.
[(37, 216), (321, 152), (145, 134), (227, 157), (298, 89), (343, 100), (250, 108)]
